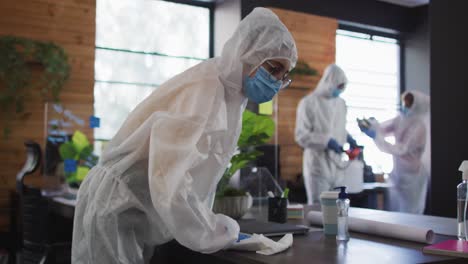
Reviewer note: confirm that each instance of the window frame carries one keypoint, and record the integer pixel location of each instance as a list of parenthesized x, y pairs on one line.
[(387, 34), (211, 7), (204, 4)]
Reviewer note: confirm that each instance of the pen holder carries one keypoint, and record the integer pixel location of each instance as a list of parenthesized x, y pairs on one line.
[(277, 210)]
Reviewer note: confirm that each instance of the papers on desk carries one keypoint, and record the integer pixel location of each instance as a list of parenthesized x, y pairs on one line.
[(422, 235), (62, 200)]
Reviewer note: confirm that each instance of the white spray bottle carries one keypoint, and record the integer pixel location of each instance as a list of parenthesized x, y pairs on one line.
[(462, 201)]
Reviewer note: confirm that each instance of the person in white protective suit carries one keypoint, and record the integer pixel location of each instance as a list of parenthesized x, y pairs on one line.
[(321, 132), (411, 170), (157, 177)]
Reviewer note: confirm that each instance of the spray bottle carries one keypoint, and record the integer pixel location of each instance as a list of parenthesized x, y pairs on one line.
[(343, 205), (462, 201)]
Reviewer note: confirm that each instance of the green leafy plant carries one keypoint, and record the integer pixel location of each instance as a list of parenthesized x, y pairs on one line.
[(80, 150), (256, 130), (232, 192), (302, 68), (16, 57)]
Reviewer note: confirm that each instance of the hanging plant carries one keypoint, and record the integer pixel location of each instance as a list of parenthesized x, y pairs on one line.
[(302, 68), (16, 57)]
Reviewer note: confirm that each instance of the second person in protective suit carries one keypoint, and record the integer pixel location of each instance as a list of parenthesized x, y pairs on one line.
[(321, 132), (157, 177), (411, 167)]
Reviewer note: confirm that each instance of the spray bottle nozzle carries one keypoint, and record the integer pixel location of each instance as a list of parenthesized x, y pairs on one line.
[(342, 194), (464, 169)]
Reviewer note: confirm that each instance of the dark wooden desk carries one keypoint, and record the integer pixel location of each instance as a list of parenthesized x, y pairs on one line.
[(374, 195), (361, 248), (317, 248)]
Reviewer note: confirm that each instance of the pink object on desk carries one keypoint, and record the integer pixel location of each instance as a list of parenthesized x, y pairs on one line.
[(457, 248)]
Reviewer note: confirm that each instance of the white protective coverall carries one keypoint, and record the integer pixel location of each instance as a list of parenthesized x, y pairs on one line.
[(410, 174), (157, 178), (320, 117)]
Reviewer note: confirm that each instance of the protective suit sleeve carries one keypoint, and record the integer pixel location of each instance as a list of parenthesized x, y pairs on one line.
[(172, 153), (304, 134), (414, 140), (385, 128)]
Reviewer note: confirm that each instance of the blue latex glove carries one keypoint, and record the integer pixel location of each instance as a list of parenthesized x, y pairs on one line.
[(333, 145), (369, 132), (242, 236), (352, 142), (362, 128)]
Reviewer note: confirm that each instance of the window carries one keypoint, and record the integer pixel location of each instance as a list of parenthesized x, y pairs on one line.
[(371, 64), (139, 45)]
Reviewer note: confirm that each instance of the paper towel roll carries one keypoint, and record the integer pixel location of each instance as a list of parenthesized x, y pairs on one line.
[(404, 232)]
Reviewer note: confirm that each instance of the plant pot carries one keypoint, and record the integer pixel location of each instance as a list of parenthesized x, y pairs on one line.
[(233, 206)]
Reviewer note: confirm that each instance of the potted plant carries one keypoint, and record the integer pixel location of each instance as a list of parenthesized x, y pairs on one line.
[(256, 130), (77, 159)]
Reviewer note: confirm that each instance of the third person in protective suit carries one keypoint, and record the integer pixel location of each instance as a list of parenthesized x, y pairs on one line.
[(321, 132), (157, 177), (411, 170)]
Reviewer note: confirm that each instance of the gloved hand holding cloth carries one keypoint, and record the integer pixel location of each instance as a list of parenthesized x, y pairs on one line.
[(263, 245)]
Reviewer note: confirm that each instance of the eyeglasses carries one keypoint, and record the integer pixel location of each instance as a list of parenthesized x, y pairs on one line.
[(275, 70)]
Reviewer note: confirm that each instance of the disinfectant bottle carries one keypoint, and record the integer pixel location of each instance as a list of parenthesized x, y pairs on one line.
[(462, 200), (343, 205)]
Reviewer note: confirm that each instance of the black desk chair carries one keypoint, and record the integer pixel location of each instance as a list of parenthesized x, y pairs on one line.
[(35, 219), (9, 241)]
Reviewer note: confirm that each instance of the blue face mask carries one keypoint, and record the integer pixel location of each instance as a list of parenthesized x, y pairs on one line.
[(404, 110), (262, 87), (336, 92)]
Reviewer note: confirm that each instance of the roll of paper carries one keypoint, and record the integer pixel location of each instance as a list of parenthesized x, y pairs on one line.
[(365, 226)]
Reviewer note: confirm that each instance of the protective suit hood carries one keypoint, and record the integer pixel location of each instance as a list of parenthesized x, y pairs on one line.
[(421, 103), (332, 77), (245, 51)]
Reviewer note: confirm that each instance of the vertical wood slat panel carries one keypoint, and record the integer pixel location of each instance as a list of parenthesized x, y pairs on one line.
[(71, 25), (315, 40)]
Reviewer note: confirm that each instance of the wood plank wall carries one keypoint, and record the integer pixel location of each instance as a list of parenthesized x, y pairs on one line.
[(315, 40), (71, 24)]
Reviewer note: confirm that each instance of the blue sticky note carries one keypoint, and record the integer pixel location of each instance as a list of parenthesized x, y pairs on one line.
[(94, 122), (242, 236), (69, 165)]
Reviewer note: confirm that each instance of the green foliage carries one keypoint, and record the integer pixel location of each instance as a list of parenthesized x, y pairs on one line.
[(81, 150), (16, 56), (256, 130), (232, 192), (302, 68), (80, 141), (67, 151)]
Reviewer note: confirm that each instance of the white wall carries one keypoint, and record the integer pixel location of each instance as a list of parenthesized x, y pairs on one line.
[(227, 16), (417, 55)]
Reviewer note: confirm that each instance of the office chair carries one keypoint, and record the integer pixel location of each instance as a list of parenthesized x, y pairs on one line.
[(9, 241), (35, 216)]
